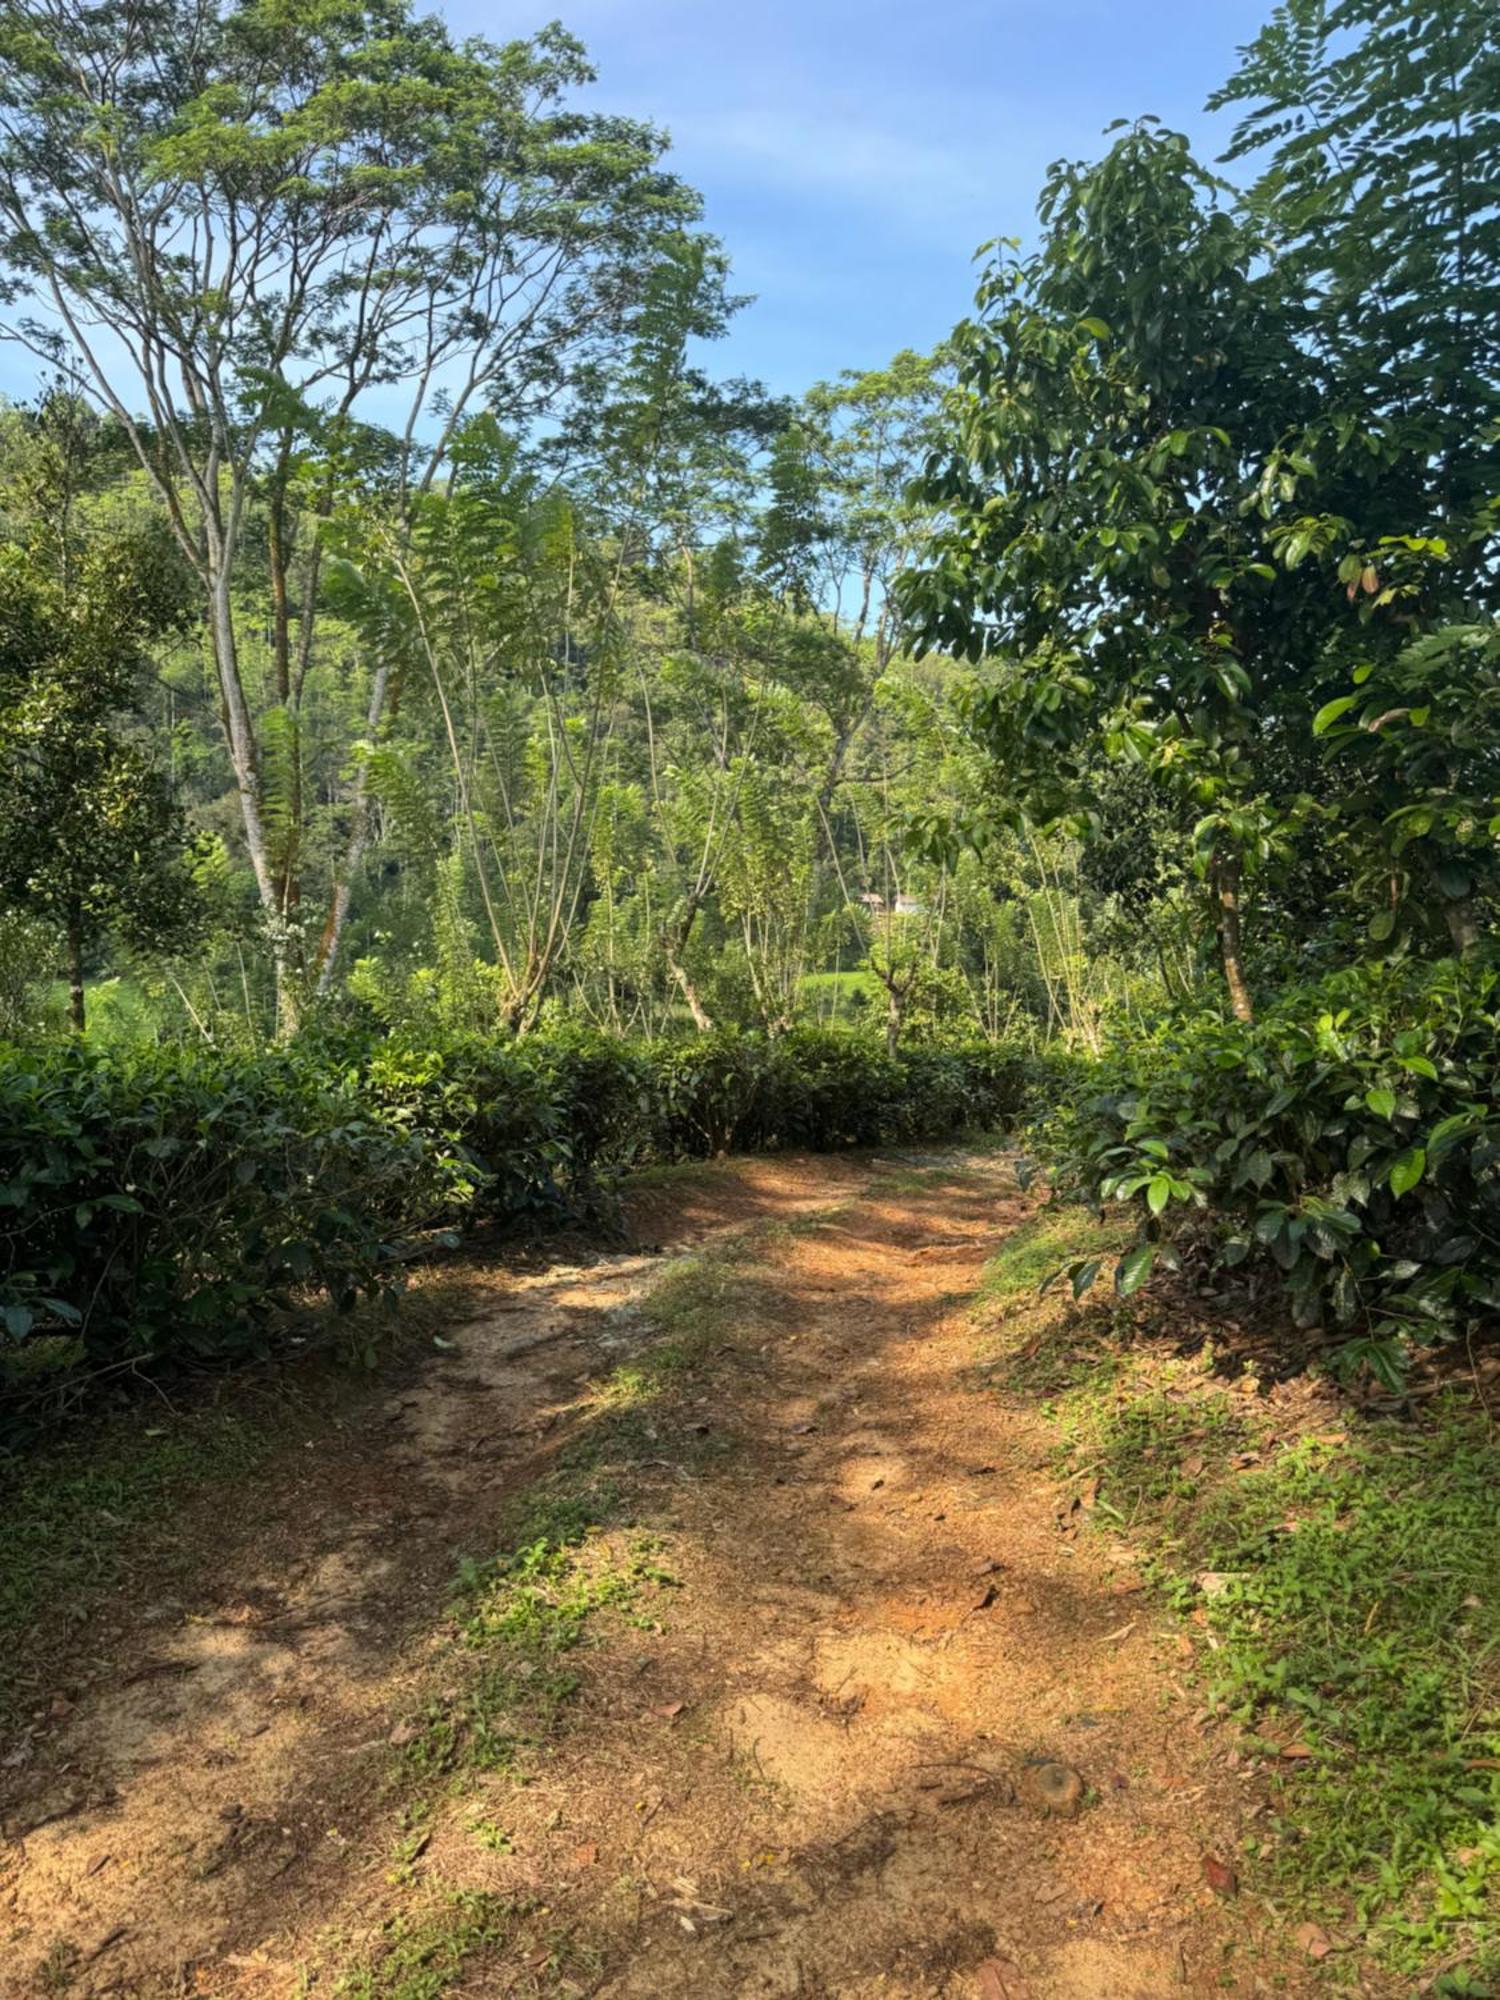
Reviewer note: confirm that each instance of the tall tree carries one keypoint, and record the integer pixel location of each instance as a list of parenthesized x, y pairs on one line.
[(1377, 127), (258, 221), (1098, 554), (92, 842)]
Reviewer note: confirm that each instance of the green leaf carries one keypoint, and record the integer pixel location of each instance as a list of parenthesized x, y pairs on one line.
[(18, 1321), (1084, 1274), (1159, 1193), (1134, 1268), (1408, 1170), (1330, 712), (1382, 1101)]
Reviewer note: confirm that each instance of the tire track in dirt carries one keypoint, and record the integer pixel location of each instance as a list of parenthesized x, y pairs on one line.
[(814, 1779)]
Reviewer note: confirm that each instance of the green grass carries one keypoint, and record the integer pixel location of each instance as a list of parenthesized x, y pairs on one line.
[(840, 996), (524, 1614), (570, 1551), (423, 1958), (77, 1518), (82, 1513), (1039, 1249), (1353, 1596)]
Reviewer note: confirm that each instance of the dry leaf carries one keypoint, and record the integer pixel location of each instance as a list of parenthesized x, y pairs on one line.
[(1314, 1940), (1295, 1753), (586, 1854), (998, 1979), (669, 1710), (1219, 1876)]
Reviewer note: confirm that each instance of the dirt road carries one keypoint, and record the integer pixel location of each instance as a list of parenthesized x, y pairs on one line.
[(781, 1723)]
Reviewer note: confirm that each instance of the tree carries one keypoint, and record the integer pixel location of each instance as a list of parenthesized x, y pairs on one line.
[(281, 216), (91, 840), (1379, 125), (1098, 553)]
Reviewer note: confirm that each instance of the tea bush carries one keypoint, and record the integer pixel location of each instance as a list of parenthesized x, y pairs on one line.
[(169, 1203), (1349, 1141)]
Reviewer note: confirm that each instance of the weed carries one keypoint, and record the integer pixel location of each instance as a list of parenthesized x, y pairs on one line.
[(423, 1959), (1351, 1587), (60, 1967), (524, 1613)]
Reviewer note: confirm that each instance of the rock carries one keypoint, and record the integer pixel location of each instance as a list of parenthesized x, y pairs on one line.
[(1052, 1788)]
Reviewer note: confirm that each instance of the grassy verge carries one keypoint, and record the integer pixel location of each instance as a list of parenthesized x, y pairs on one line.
[(84, 1513), (1343, 1576)]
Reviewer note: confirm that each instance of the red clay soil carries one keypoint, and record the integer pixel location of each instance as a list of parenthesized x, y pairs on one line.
[(815, 1769)]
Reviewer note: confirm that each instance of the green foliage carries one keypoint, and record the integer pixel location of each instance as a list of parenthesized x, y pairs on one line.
[(1346, 1142), (1351, 1586), (168, 1202), (168, 1205), (92, 842)]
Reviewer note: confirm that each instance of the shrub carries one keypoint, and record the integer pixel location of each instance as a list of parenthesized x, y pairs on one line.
[(171, 1202), (1349, 1141), (174, 1200)]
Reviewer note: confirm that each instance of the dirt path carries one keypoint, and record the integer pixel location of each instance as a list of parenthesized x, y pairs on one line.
[(835, 1618)]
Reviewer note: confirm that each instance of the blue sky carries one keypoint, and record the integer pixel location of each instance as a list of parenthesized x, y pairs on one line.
[(853, 153)]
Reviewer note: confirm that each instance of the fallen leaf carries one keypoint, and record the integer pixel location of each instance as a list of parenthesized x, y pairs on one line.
[(1219, 1876), (402, 1734), (1296, 1753), (1122, 1633), (998, 1979), (1214, 1582), (1314, 1940), (669, 1710), (586, 1854), (983, 1599), (1191, 1467)]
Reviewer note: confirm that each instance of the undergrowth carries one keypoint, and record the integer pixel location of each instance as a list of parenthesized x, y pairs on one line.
[(1347, 1583)]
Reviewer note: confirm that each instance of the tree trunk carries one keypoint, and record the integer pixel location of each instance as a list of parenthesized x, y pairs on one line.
[(895, 1014), (1226, 885), (75, 975), (1463, 925), (702, 1020), (359, 840), (239, 732)]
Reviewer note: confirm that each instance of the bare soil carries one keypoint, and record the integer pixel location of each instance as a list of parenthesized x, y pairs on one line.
[(821, 1773)]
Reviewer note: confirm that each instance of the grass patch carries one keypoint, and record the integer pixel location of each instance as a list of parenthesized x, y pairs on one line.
[(572, 1551), (1062, 1347), (1359, 1608), (79, 1518), (423, 1958), (1039, 1249), (1350, 1586), (525, 1613)]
